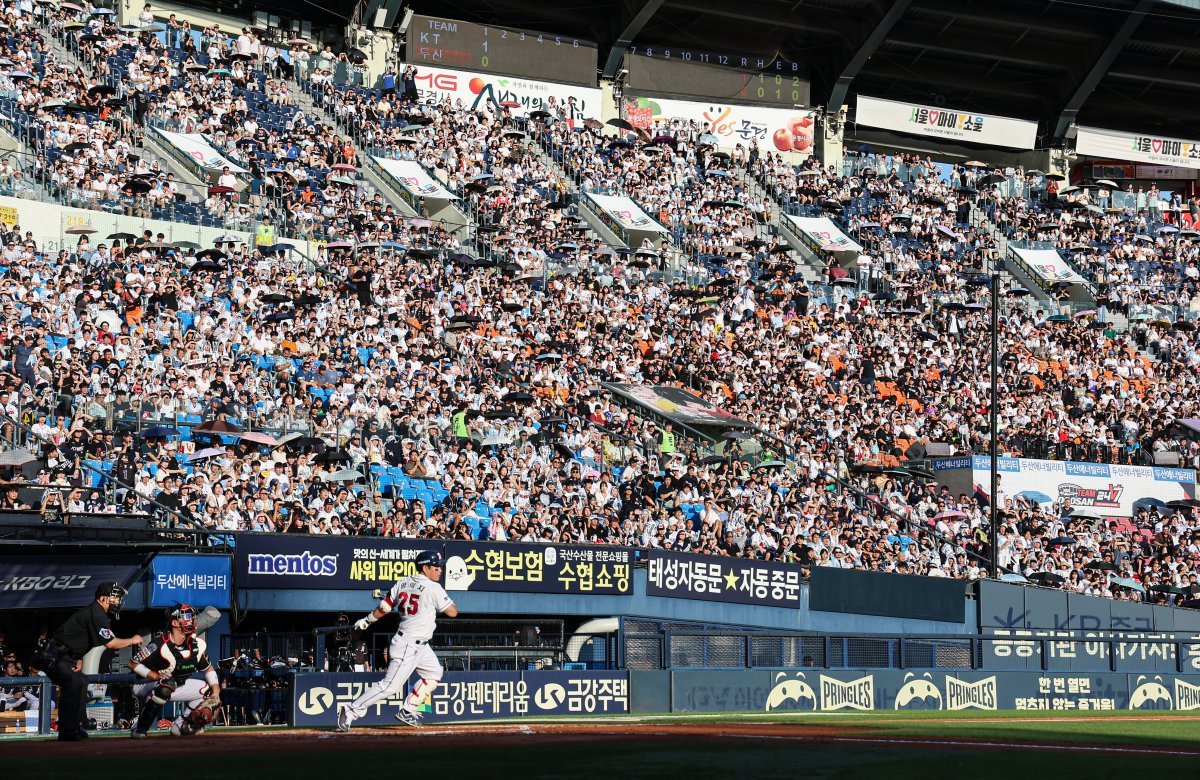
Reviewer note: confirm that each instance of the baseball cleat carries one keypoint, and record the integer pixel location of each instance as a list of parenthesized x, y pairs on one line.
[(344, 720), (409, 718), (137, 734)]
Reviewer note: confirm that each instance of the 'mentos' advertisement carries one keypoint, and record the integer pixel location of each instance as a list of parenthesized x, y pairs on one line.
[(788, 131), (1111, 490)]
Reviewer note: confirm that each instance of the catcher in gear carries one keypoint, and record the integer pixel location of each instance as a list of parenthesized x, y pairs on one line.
[(167, 664)]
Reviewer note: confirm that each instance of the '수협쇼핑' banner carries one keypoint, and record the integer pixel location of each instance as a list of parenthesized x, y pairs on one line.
[(485, 91), (539, 568), (731, 580), (196, 148), (1111, 490), (1048, 265), (325, 562), (1136, 147), (415, 179), (825, 234), (947, 123)]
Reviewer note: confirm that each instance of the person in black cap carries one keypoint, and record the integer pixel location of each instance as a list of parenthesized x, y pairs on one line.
[(62, 658)]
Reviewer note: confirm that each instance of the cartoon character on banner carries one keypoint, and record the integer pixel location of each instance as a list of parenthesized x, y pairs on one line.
[(791, 693), (1150, 695), (918, 693)]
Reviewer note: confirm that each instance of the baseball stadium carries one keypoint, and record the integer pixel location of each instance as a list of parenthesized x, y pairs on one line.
[(675, 388)]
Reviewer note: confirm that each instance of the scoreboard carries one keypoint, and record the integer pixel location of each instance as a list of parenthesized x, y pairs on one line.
[(725, 78), (448, 43)]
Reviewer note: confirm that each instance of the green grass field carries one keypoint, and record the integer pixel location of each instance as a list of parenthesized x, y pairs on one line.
[(450, 752)]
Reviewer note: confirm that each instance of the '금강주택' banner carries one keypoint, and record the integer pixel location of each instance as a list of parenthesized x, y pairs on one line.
[(486, 91), (539, 568), (949, 124), (1136, 147), (731, 580)]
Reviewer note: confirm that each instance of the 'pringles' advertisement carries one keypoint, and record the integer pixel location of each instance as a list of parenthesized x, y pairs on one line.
[(792, 132)]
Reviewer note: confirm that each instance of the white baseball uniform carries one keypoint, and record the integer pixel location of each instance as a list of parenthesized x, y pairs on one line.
[(418, 600)]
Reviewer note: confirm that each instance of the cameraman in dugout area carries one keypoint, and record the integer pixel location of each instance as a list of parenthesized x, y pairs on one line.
[(62, 657), (418, 599), (167, 665)]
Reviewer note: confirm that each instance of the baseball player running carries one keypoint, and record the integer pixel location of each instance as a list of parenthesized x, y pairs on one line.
[(417, 599)]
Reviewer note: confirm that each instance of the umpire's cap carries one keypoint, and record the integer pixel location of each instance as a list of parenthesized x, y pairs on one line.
[(114, 589), (430, 558)]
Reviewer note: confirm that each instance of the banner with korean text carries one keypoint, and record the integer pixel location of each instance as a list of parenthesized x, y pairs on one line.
[(1138, 147), (730, 580), (326, 562), (946, 123), (461, 696), (1048, 265), (539, 568), (788, 130), (202, 580), (826, 236)]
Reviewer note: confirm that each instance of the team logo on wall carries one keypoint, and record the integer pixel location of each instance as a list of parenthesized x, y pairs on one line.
[(1187, 696), (1150, 695), (1100, 498), (963, 695), (854, 695), (791, 693), (918, 693)]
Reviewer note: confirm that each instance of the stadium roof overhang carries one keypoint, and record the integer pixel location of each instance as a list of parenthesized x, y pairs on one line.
[(1125, 64)]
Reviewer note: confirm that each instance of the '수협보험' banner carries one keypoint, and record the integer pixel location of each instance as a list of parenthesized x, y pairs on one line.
[(1136, 147), (947, 123), (539, 568), (731, 580)]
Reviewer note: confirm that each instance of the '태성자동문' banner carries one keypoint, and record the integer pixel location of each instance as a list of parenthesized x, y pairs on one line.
[(196, 148), (946, 123), (539, 568), (731, 580), (1138, 147), (486, 91)]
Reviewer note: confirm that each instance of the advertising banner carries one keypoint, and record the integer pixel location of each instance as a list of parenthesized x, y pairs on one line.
[(196, 148), (946, 123), (729, 580), (466, 696), (1134, 147), (486, 91), (201, 580), (859, 690), (325, 562), (539, 568), (825, 234), (622, 214), (59, 580), (1111, 490), (678, 405), (789, 130), (1048, 266), (412, 177)]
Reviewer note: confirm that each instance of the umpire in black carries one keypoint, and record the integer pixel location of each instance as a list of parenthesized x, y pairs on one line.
[(62, 658)]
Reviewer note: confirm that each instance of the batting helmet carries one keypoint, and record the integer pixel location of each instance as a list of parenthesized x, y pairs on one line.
[(430, 558)]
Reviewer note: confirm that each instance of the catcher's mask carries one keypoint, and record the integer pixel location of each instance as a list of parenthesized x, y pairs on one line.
[(186, 616)]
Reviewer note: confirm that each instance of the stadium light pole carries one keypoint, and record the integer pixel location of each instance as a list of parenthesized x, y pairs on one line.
[(993, 407)]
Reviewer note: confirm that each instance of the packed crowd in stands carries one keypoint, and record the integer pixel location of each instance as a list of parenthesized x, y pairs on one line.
[(235, 388)]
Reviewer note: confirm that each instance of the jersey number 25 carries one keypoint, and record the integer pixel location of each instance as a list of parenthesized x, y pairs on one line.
[(409, 603)]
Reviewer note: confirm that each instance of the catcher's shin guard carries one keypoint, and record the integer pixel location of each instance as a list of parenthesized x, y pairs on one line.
[(149, 716)]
